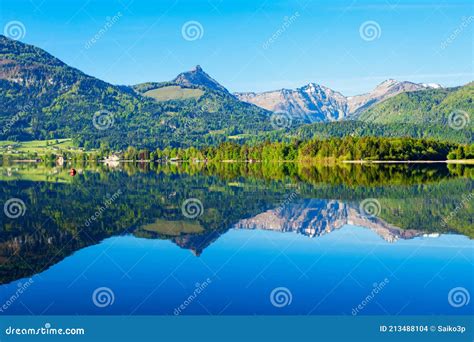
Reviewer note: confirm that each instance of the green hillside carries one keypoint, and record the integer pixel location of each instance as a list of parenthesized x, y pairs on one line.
[(43, 98), (357, 128), (432, 106), (174, 93)]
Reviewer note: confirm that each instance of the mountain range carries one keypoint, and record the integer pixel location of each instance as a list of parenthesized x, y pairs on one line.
[(317, 103), (44, 98), (315, 217)]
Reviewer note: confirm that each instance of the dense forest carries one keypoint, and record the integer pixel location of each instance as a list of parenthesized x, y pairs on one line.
[(347, 148), (356, 128)]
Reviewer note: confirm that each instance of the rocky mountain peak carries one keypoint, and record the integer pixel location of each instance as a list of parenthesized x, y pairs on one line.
[(197, 68), (198, 77), (387, 83), (309, 103), (314, 102), (312, 86)]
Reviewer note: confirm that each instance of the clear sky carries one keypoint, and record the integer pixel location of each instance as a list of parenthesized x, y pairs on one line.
[(349, 46)]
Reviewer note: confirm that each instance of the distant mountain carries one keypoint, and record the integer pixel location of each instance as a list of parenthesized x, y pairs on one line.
[(385, 90), (44, 98), (311, 103), (316, 103), (181, 86), (426, 107), (439, 113), (315, 217)]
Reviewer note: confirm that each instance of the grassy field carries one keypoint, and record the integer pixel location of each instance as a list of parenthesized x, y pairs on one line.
[(36, 174), (174, 93), (36, 146), (173, 228), (239, 136)]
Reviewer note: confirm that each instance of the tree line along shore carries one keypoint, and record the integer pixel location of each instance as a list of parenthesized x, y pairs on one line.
[(355, 149)]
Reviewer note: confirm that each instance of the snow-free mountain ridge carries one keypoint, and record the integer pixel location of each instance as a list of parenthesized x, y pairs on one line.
[(317, 103)]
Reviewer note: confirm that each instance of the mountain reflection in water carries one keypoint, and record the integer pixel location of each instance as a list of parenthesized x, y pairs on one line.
[(65, 214)]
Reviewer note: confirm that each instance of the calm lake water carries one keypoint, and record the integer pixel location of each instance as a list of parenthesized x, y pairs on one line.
[(237, 239)]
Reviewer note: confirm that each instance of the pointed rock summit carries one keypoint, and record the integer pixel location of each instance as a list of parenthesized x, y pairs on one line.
[(198, 77)]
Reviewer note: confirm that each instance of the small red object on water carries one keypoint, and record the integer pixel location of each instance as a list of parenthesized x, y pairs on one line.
[(72, 172)]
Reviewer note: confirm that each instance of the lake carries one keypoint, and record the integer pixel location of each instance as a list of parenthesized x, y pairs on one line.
[(237, 238)]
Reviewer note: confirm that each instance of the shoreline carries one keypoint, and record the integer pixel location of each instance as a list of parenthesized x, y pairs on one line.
[(454, 161), (322, 161)]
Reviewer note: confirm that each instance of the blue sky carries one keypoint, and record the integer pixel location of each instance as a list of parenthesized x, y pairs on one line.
[(313, 41)]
